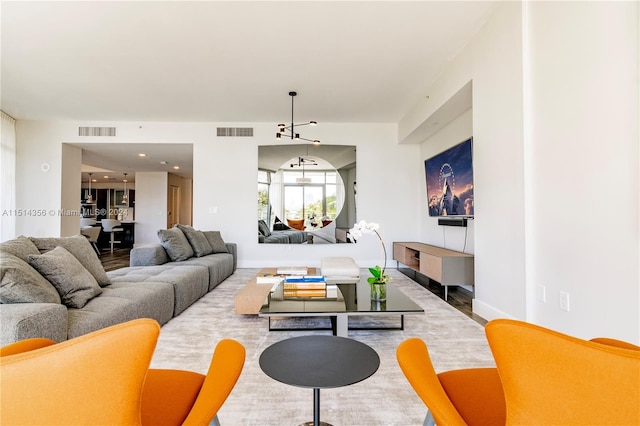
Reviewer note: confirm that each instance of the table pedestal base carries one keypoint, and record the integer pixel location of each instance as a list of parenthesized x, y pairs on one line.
[(316, 411)]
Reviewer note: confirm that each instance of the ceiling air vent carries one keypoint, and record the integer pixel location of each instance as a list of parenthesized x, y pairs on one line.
[(238, 132), (96, 131)]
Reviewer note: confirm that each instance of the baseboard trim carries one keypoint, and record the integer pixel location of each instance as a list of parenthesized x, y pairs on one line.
[(487, 311)]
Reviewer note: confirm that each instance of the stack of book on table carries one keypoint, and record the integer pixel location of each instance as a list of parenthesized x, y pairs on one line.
[(305, 286)]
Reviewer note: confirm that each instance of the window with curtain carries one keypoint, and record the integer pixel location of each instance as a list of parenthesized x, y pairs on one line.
[(264, 182), (8, 167)]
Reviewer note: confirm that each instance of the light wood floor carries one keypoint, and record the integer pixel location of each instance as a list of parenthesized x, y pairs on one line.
[(459, 298)]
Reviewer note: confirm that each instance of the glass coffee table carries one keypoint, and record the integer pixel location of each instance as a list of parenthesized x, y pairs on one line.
[(339, 302)]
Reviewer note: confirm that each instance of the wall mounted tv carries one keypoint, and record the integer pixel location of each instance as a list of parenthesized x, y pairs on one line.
[(449, 177)]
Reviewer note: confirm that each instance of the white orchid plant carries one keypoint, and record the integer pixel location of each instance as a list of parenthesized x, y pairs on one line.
[(358, 230)]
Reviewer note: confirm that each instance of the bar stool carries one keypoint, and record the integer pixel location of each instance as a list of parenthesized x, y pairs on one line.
[(112, 226)]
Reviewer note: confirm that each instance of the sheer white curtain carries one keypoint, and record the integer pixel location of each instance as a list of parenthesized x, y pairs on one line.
[(8, 167)]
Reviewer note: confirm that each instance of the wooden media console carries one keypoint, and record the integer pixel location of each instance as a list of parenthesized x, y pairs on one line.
[(447, 267)]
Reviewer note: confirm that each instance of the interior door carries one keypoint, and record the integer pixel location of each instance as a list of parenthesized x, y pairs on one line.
[(173, 217)]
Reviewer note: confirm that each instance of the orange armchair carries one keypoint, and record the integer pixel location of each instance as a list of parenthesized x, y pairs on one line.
[(93, 379), (174, 397), (166, 397), (551, 378), (459, 397)]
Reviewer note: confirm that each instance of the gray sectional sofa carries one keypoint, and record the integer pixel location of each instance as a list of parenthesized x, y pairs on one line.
[(57, 288), (282, 236)]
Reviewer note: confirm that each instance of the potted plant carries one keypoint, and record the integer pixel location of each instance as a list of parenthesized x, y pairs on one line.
[(378, 280)]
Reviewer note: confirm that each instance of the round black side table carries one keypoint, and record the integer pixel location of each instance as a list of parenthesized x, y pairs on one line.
[(319, 362)]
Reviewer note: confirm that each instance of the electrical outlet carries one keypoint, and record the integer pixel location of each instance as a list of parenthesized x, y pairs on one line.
[(213, 209), (564, 301)]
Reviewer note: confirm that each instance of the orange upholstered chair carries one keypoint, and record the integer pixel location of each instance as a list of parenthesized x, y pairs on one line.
[(458, 397), (616, 343), (551, 378), (296, 224), (93, 379), (25, 346), (171, 397), (174, 397)]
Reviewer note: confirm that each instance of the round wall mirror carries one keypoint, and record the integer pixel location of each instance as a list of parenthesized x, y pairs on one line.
[(306, 193)]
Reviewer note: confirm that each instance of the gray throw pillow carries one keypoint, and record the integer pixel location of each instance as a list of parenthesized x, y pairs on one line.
[(21, 247), (20, 283), (198, 241), (263, 228), (216, 241), (80, 247), (175, 243), (75, 285)]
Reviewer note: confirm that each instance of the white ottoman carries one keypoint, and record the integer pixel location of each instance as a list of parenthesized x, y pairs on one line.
[(340, 270)]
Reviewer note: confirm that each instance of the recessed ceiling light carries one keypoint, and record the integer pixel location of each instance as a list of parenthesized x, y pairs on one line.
[(142, 155), (106, 177), (164, 162), (176, 167)]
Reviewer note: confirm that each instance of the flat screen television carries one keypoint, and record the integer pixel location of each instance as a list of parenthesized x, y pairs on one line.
[(449, 177)]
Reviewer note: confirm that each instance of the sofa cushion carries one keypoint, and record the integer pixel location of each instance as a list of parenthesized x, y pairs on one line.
[(263, 228), (175, 243), (74, 283), (190, 282), (21, 247), (220, 265), (153, 299), (20, 283), (198, 241), (80, 247), (100, 312), (216, 241)]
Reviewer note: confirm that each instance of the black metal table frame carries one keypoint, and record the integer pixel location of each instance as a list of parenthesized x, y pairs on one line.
[(333, 327)]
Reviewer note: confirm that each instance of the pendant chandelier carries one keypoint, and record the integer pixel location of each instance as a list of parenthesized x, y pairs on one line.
[(89, 197), (125, 195), (289, 131)]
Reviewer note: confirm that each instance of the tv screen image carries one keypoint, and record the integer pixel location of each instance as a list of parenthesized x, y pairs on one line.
[(449, 177)]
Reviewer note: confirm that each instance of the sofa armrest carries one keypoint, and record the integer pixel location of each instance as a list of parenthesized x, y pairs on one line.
[(233, 249), (26, 320), (147, 255)]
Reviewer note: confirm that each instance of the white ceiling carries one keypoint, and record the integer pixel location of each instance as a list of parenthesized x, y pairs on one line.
[(228, 61), (109, 161)]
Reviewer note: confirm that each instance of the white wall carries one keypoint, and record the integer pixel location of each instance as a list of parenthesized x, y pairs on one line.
[(556, 163), (584, 174), (151, 206), (493, 62), (38, 176), (451, 237), (225, 171)]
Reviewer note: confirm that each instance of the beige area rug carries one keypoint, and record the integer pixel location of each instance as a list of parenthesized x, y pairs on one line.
[(386, 398)]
